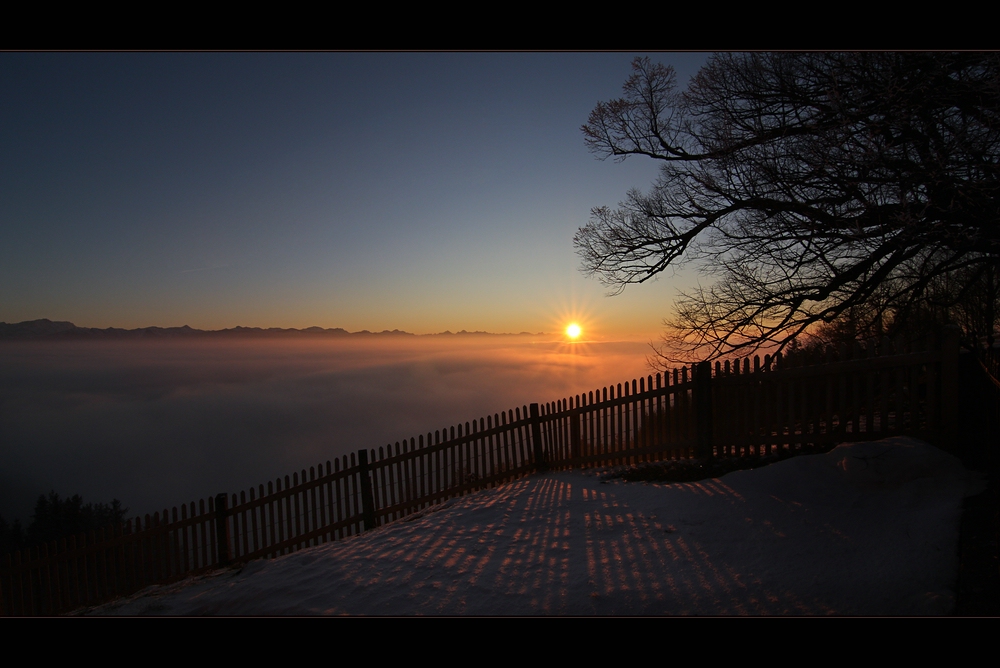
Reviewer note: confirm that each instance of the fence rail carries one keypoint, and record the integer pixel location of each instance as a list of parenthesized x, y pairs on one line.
[(745, 407)]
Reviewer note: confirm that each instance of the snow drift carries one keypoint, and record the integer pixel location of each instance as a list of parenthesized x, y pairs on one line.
[(866, 529)]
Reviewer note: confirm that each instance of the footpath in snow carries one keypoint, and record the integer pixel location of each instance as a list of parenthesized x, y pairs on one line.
[(866, 529)]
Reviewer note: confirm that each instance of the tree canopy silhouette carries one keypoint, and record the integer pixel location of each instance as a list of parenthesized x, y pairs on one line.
[(806, 186), (56, 518)]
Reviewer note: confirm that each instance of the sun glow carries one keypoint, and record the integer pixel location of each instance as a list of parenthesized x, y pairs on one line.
[(574, 326)]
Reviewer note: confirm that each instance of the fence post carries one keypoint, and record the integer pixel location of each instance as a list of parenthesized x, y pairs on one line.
[(367, 500), (222, 527), (536, 438), (574, 434), (949, 388), (703, 409)]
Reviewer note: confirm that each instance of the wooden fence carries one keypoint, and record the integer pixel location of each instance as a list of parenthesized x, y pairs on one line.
[(746, 407)]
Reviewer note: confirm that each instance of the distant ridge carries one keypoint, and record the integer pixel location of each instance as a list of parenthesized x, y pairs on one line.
[(62, 331)]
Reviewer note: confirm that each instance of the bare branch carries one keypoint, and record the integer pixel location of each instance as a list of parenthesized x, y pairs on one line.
[(809, 186)]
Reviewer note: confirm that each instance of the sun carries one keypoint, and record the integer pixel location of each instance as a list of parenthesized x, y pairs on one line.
[(573, 331)]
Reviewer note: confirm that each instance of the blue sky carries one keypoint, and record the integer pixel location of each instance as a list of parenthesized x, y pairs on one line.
[(419, 191)]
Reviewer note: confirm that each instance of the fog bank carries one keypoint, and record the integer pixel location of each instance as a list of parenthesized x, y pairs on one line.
[(160, 423)]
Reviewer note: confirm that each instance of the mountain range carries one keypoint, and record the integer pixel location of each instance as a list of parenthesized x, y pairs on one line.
[(62, 330)]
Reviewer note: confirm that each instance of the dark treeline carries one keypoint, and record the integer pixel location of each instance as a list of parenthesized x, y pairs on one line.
[(56, 518), (971, 305)]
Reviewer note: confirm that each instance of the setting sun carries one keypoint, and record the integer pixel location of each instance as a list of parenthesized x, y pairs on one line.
[(573, 331)]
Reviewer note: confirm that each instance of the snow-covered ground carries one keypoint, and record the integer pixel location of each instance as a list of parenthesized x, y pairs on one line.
[(866, 529)]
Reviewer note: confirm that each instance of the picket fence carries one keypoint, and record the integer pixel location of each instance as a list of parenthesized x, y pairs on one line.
[(744, 407)]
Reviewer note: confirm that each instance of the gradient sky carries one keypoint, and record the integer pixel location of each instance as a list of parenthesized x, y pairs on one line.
[(419, 191)]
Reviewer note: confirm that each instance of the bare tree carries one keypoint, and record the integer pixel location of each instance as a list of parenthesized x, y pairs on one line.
[(806, 186)]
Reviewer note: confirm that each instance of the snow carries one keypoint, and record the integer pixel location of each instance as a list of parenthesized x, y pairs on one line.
[(865, 529)]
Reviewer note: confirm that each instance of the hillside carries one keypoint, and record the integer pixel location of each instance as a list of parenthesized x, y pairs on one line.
[(866, 529)]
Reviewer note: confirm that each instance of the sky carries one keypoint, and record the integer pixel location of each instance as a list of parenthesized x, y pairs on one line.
[(415, 191), (868, 528)]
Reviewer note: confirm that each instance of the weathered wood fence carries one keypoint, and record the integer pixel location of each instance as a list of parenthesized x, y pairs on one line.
[(744, 407)]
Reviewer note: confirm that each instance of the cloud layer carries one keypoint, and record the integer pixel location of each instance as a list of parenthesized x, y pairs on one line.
[(156, 424)]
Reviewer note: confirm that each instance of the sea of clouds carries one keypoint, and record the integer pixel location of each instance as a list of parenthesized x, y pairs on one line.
[(160, 423)]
